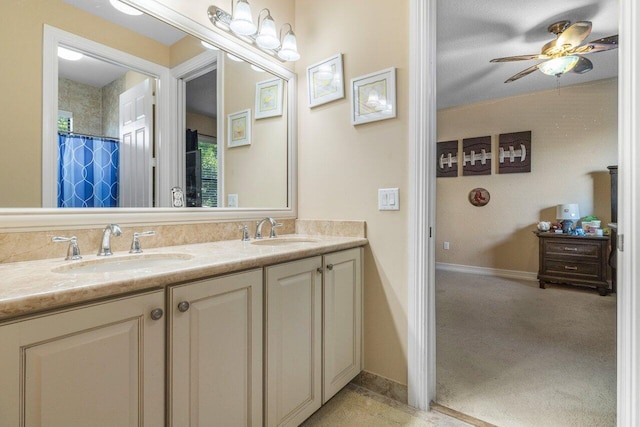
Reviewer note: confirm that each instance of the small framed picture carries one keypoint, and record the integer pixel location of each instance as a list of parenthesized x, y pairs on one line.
[(325, 81), (373, 97), (269, 98), (239, 128)]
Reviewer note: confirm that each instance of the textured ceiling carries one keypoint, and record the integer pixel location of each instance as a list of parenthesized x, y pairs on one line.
[(472, 32)]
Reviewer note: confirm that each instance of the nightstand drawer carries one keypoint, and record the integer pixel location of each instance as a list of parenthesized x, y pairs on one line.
[(573, 269), (573, 248)]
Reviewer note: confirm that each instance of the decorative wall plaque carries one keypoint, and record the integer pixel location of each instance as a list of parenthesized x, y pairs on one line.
[(479, 197), (476, 156), (514, 152), (447, 158)]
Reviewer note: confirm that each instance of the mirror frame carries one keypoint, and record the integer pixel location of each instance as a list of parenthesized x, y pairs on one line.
[(32, 219)]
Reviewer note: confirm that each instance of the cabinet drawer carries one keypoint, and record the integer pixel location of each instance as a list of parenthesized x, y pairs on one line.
[(570, 248), (572, 269)]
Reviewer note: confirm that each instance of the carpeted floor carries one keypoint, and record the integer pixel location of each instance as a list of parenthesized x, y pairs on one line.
[(512, 354)]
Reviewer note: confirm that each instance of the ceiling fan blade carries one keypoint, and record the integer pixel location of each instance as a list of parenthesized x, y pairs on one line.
[(600, 45), (575, 34), (582, 66), (519, 58), (522, 73)]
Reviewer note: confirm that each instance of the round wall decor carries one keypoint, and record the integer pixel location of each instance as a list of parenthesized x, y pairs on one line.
[(479, 196)]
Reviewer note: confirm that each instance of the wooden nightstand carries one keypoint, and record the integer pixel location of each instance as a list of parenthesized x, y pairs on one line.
[(576, 260)]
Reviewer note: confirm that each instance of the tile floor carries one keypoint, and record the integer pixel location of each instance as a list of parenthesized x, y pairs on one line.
[(355, 406)]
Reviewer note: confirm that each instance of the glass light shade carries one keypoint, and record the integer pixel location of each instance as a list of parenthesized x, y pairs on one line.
[(289, 51), (69, 55), (569, 211), (267, 36), (241, 22), (208, 45), (234, 58), (557, 66), (125, 8), (257, 69)]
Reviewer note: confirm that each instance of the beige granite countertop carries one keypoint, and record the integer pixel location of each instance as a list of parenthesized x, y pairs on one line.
[(33, 286)]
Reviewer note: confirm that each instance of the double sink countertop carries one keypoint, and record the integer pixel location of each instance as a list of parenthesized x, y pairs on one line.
[(34, 286)]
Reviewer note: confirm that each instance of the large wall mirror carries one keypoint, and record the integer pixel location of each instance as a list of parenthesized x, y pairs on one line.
[(147, 108)]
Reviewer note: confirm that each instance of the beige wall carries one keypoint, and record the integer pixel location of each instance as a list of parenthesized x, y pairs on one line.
[(257, 173), (342, 166), (21, 32), (205, 125), (574, 139)]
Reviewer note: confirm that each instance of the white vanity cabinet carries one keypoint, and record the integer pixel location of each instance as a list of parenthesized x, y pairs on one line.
[(313, 325), (101, 364), (215, 351), (342, 320)]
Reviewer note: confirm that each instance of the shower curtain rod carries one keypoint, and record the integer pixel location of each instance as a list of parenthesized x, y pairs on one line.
[(88, 135)]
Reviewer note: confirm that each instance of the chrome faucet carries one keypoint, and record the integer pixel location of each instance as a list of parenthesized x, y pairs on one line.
[(105, 246), (273, 223)]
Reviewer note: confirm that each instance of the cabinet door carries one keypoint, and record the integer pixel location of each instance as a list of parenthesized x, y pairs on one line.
[(215, 358), (293, 341), (342, 296), (98, 365)]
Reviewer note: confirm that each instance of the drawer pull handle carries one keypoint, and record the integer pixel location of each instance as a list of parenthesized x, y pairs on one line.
[(571, 249), (566, 267)]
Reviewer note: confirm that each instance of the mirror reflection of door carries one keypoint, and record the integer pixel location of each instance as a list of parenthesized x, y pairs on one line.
[(202, 159), (90, 145)]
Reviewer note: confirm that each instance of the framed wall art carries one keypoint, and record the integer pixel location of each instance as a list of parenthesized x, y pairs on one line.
[(269, 98), (476, 156), (325, 81), (514, 152), (239, 128), (373, 97), (447, 153)]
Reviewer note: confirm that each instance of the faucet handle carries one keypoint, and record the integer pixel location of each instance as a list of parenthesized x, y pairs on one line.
[(135, 243), (73, 252), (245, 233), (273, 229)]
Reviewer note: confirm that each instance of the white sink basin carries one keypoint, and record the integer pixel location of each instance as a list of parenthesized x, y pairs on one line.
[(121, 263), (282, 241)]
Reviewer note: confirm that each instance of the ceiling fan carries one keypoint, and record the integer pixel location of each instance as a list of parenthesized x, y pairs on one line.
[(564, 54)]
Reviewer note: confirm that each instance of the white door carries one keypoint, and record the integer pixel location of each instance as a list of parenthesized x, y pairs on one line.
[(99, 365), (215, 352), (136, 146), (293, 342), (342, 295)]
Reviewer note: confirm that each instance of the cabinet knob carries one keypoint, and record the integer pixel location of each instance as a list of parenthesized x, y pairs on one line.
[(183, 306), (156, 314), (319, 270), (329, 267)]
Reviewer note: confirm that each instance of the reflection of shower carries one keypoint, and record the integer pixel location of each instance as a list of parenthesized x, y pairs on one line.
[(87, 171)]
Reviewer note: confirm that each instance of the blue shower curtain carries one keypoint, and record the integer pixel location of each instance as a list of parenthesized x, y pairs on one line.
[(87, 171)]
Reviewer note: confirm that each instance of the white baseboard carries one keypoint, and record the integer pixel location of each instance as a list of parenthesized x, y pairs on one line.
[(485, 271)]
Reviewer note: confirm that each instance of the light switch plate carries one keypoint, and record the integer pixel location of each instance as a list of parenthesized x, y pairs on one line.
[(388, 199), (232, 200)]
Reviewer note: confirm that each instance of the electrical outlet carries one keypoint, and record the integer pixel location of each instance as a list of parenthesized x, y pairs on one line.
[(446, 246), (232, 200)]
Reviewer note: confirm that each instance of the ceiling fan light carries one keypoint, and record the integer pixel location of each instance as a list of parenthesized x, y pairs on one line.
[(557, 66), (241, 22)]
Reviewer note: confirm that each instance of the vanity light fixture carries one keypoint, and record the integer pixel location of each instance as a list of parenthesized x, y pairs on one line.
[(264, 36), (68, 54), (257, 69), (289, 51), (241, 21), (208, 45), (234, 58), (267, 37), (125, 8)]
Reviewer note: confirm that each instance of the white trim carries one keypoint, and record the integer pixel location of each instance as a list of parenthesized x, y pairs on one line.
[(54, 37), (422, 127), (628, 338), (485, 271)]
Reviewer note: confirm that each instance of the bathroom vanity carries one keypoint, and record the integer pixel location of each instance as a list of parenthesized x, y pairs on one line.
[(220, 335)]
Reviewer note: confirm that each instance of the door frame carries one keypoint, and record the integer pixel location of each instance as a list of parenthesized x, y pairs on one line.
[(422, 141)]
